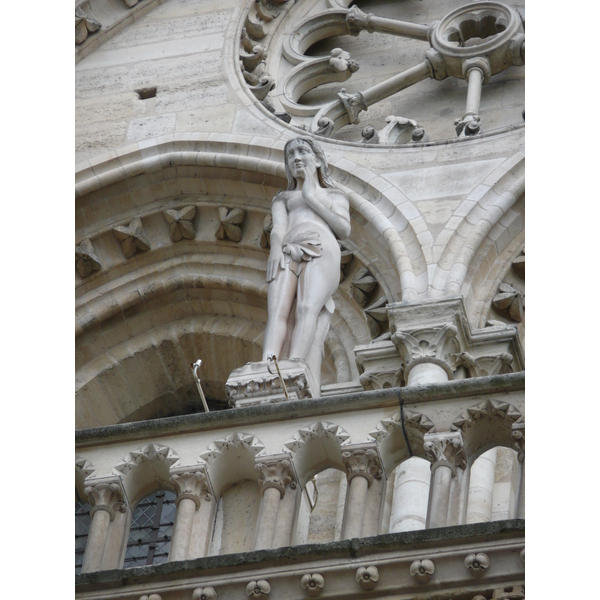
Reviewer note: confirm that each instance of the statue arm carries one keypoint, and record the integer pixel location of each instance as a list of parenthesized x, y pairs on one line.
[(334, 208), (280, 224)]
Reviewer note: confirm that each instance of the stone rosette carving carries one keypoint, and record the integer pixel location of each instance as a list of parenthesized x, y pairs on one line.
[(445, 449), (509, 300), (231, 222), (86, 260), (367, 577), (258, 589), (516, 592), (84, 25), (422, 570), (180, 223), (105, 496), (477, 563), (151, 597), (191, 484), (205, 593), (362, 461), (312, 584), (132, 238), (84, 466), (276, 472)]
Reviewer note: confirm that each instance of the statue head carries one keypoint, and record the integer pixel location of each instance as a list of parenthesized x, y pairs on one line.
[(319, 155)]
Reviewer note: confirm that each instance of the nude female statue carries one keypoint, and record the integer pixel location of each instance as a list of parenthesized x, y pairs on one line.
[(304, 263)]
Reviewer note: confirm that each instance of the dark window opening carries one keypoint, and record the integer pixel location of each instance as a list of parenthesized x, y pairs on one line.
[(82, 530), (151, 530)]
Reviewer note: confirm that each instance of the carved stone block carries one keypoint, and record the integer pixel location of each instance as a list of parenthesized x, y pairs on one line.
[(254, 383)]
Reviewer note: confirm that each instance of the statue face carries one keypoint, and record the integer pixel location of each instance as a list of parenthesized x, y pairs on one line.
[(301, 159)]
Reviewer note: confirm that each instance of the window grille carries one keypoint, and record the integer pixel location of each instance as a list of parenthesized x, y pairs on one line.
[(151, 530), (82, 529)]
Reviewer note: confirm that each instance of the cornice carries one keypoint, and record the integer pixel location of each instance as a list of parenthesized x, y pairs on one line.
[(318, 408)]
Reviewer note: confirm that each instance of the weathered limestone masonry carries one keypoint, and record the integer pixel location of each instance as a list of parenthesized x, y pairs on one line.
[(397, 468)]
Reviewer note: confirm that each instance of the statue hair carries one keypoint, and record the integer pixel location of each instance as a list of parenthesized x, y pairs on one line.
[(322, 170)]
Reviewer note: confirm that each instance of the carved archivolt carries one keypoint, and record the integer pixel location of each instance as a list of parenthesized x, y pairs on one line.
[(320, 429), (241, 440), (84, 467), (487, 408), (150, 452)]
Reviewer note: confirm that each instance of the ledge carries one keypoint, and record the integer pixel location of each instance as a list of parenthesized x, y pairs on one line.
[(356, 548), (300, 408)]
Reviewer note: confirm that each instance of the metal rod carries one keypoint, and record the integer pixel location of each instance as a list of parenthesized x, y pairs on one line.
[(194, 367), (274, 359)]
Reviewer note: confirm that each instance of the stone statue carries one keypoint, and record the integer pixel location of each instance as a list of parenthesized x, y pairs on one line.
[(303, 270), (303, 273)]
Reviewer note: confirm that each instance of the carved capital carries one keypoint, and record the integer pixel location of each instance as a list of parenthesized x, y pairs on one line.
[(445, 449), (193, 485), (105, 496), (276, 472), (432, 344), (518, 436), (362, 460), (353, 103), (358, 21)]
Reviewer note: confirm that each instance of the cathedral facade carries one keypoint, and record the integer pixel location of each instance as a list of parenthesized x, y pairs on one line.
[(389, 460)]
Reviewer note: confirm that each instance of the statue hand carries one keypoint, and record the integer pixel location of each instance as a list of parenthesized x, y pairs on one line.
[(275, 261), (310, 185)]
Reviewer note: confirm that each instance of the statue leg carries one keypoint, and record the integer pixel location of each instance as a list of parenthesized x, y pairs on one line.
[(280, 297), (317, 283)]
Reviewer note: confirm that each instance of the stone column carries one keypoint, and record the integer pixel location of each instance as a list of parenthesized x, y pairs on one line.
[(276, 473), (518, 435), (105, 498), (481, 488), (411, 491), (191, 487), (447, 453), (362, 466)]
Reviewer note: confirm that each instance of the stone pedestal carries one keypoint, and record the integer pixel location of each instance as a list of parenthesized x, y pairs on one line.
[(259, 383)]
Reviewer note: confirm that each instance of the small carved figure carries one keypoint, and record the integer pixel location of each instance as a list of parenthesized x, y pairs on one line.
[(304, 263)]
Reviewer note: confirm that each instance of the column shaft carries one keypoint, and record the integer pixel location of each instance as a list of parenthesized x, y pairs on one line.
[(355, 507), (265, 528), (94, 549), (474, 92), (521, 503), (426, 372), (285, 519), (481, 488), (439, 497), (411, 491), (182, 530)]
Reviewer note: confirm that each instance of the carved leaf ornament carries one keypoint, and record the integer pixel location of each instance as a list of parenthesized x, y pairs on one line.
[(84, 25), (258, 590), (231, 221), (180, 223), (206, 593), (511, 300), (132, 238), (86, 260), (367, 577), (312, 584), (422, 570)]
